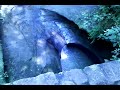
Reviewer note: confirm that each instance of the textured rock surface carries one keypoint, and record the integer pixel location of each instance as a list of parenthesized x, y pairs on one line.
[(43, 79), (104, 74), (79, 14), (37, 56), (32, 41), (72, 77), (76, 76), (91, 75), (76, 13), (95, 75), (111, 70)]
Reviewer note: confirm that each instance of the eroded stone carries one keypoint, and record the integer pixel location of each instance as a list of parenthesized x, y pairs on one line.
[(111, 70), (96, 76), (43, 79)]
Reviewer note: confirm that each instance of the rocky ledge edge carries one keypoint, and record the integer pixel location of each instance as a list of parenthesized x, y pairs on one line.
[(98, 74)]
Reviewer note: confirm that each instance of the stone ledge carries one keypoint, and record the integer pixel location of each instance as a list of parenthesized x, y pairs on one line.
[(42, 79), (73, 77), (99, 74)]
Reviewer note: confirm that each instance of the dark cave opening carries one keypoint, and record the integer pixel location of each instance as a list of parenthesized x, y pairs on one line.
[(102, 47), (94, 57)]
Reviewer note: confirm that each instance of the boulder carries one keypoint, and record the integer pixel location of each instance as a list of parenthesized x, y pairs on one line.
[(33, 40), (26, 50)]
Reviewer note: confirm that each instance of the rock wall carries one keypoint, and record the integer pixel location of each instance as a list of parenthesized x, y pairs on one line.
[(33, 44), (76, 13), (98, 74), (79, 14), (33, 39)]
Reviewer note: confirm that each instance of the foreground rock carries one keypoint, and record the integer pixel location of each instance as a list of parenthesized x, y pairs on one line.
[(43, 79), (96, 74), (103, 74), (1, 67), (72, 77)]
